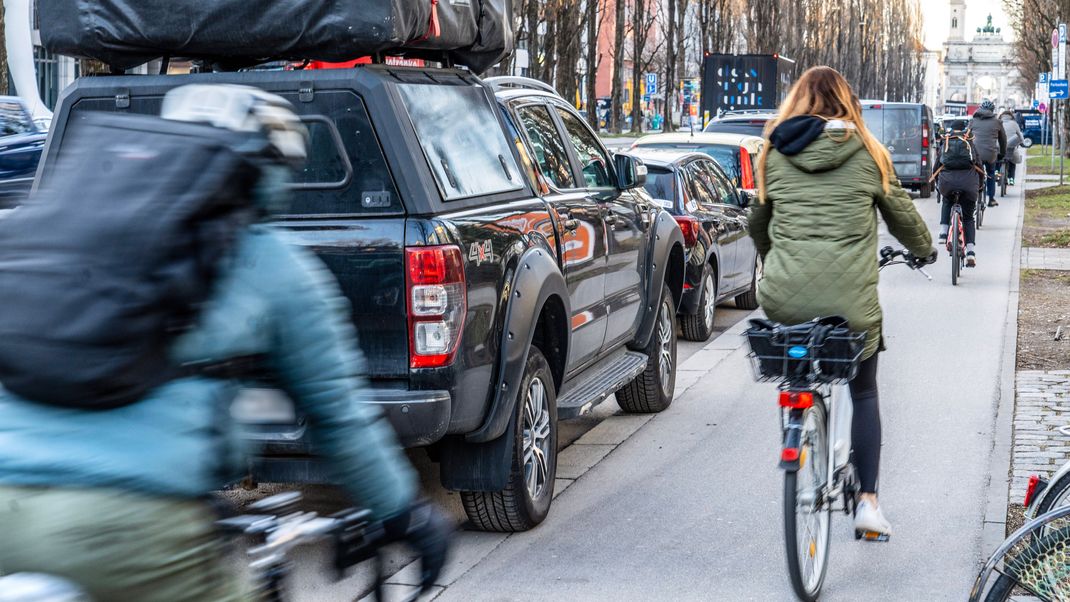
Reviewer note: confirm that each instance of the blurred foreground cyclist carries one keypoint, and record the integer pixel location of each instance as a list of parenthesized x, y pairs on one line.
[(139, 291)]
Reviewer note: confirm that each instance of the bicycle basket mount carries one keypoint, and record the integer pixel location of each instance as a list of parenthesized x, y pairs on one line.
[(823, 350)]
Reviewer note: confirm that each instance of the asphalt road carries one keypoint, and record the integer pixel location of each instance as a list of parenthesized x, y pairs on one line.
[(689, 507)]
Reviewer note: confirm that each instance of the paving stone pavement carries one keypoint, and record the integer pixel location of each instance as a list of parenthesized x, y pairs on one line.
[(1042, 409), (1040, 258)]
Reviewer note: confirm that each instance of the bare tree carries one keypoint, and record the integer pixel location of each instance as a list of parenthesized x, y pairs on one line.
[(617, 91)]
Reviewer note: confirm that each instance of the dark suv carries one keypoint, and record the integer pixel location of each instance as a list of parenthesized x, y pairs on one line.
[(501, 276)]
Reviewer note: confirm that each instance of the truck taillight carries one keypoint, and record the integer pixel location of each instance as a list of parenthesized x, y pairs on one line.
[(746, 170), (925, 136), (689, 227), (437, 302)]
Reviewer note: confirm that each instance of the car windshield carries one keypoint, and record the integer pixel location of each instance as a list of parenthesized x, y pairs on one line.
[(726, 155), (14, 120), (661, 184)]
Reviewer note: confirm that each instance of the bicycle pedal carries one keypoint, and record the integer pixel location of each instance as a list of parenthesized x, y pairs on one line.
[(871, 535)]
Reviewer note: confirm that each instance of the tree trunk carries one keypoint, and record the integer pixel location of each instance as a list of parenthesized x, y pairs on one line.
[(593, 21), (669, 84), (640, 28), (3, 54), (616, 96)]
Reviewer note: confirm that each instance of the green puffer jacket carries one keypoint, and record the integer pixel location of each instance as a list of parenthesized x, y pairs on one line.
[(817, 233)]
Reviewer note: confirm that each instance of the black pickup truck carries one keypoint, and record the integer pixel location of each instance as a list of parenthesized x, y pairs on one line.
[(504, 270)]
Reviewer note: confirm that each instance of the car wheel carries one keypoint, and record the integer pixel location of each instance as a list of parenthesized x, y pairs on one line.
[(749, 299), (926, 191), (699, 325), (653, 389), (525, 501)]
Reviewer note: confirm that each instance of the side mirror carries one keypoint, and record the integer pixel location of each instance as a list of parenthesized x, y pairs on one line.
[(631, 172), (746, 197)]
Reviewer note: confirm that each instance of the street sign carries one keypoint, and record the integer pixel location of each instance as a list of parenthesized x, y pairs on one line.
[(1045, 77), (1043, 108), (1061, 73), (1058, 89), (1036, 103), (651, 83)]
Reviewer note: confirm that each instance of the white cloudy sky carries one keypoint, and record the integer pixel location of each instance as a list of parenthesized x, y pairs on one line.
[(938, 21)]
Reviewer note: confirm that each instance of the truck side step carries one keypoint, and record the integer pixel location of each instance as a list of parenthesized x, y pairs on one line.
[(582, 396)]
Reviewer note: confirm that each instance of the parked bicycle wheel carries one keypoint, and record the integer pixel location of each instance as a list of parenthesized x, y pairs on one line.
[(1041, 569), (807, 515)]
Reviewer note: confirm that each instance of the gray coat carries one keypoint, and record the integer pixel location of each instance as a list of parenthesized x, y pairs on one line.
[(988, 136), (1011, 131)]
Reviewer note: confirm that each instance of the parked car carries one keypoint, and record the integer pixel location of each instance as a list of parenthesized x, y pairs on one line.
[(1033, 125), (737, 154), (722, 261), (906, 129), (21, 142), (487, 308), (750, 123)]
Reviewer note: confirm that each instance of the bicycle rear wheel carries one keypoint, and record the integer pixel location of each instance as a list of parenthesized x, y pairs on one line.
[(1003, 181), (979, 212), (807, 516), (1041, 569), (956, 248)]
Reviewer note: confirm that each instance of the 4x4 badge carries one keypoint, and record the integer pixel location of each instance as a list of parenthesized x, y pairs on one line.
[(480, 252)]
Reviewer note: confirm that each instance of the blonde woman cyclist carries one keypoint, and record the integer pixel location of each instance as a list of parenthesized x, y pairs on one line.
[(823, 178)]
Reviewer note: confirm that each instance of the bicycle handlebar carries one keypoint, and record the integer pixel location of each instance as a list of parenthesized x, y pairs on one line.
[(889, 256)]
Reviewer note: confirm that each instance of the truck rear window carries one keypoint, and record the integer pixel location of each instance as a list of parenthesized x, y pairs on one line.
[(461, 139), (371, 189)]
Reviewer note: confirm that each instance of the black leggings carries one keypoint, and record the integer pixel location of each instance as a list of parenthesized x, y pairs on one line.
[(866, 425)]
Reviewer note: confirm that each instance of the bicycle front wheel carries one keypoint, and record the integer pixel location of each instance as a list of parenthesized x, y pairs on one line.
[(807, 515)]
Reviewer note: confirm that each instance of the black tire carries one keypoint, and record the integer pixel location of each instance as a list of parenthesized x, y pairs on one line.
[(979, 213), (749, 299), (1059, 489), (652, 390), (516, 508), (956, 250), (699, 325), (1001, 589), (808, 592), (1003, 181), (926, 191)]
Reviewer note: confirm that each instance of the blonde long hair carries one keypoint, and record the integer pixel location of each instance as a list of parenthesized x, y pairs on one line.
[(824, 93)]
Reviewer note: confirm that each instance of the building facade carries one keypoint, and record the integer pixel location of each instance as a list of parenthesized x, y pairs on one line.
[(980, 68)]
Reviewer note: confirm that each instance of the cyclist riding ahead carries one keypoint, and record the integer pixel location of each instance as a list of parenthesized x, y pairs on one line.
[(959, 178), (823, 178), (991, 144), (113, 496), (1013, 133)]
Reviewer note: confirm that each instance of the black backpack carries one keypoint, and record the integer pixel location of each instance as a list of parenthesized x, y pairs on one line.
[(957, 152), (112, 258)]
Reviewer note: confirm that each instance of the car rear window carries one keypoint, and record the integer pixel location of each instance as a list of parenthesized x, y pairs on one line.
[(661, 184), (726, 155), (750, 127), (371, 189), (461, 139)]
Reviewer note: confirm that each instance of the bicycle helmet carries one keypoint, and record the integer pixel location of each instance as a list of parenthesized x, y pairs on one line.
[(242, 109), (988, 105)]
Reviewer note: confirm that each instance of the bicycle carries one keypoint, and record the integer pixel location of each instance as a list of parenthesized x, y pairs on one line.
[(956, 237), (277, 528), (813, 362), (980, 206)]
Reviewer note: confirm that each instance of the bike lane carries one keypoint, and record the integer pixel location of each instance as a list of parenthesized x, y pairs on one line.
[(689, 506)]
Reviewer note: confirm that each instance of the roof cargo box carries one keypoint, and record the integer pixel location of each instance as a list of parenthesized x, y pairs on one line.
[(124, 34)]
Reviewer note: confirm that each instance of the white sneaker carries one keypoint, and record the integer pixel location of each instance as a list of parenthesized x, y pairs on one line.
[(870, 523)]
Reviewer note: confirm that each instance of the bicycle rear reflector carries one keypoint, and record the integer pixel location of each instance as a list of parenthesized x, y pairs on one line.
[(1031, 489), (796, 400), (789, 454)]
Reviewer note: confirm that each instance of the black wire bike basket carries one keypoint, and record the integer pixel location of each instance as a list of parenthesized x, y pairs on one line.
[(823, 351)]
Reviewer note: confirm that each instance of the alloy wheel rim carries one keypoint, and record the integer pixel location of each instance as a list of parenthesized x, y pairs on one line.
[(537, 438), (665, 361), (709, 308)]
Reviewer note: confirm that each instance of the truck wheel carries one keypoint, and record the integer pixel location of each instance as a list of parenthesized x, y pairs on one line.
[(749, 299), (525, 501), (925, 191), (652, 390), (699, 325)]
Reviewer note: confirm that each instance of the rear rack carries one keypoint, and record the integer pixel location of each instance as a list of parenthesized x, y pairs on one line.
[(515, 81)]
